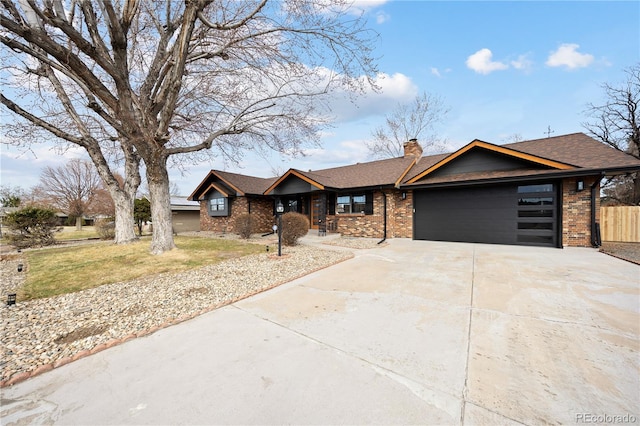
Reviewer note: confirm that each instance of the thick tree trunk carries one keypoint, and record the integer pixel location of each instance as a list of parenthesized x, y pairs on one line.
[(125, 223), (78, 223), (123, 196), (161, 216)]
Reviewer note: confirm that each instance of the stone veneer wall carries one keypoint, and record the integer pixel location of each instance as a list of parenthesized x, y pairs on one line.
[(261, 210), (399, 218), (576, 212)]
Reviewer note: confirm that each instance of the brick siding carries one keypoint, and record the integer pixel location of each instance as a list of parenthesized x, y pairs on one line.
[(576, 215), (399, 218), (576, 212), (261, 210)]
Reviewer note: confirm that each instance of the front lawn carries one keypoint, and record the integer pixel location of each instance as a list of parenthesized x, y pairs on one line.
[(63, 270)]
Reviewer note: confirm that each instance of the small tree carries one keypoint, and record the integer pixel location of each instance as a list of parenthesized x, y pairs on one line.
[(32, 227), (141, 212), (294, 226)]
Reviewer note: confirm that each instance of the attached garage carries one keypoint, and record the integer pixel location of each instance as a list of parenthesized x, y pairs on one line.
[(524, 214)]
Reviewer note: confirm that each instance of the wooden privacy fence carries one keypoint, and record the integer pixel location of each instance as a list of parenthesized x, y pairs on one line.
[(620, 223)]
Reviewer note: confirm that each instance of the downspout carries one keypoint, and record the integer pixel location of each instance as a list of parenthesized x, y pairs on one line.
[(384, 207), (595, 227)]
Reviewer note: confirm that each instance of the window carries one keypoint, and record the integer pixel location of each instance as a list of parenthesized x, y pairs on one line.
[(545, 187), (535, 201), (346, 204), (216, 204)]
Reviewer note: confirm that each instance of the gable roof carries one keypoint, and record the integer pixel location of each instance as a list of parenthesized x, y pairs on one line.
[(503, 150), (237, 183), (573, 154), (560, 156), (361, 175), (577, 149)]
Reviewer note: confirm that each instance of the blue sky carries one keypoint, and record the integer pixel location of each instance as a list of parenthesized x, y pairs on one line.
[(502, 68)]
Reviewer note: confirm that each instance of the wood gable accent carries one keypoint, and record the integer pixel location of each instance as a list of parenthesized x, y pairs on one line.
[(200, 189), (399, 180), (492, 148), (295, 173), (217, 188)]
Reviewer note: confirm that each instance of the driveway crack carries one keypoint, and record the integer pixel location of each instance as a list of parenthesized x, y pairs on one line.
[(465, 387)]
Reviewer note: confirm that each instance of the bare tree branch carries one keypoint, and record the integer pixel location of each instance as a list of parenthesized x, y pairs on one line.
[(416, 120)]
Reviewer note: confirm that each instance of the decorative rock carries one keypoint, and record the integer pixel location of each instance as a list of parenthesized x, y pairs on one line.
[(42, 369), (61, 329)]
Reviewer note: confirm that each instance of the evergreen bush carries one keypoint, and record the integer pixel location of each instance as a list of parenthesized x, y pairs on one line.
[(32, 227)]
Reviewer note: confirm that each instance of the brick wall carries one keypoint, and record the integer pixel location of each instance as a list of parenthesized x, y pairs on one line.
[(399, 218), (261, 210), (576, 212)]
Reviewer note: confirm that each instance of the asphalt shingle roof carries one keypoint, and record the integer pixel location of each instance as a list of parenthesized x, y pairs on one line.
[(576, 149), (374, 173), (247, 184)]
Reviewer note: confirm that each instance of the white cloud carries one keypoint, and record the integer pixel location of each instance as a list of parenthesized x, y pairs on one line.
[(523, 63), (345, 152), (567, 55), (435, 72), (481, 62), (359, 6), (394, 89), (382, 17)]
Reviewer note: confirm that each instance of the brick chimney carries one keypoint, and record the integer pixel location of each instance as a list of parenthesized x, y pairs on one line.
[(412, 149)]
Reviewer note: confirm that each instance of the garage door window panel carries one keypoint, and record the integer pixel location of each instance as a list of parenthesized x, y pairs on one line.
[(536, 214)]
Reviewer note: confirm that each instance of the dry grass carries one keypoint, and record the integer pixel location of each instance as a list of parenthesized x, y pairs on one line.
[(70, 233), (69, 269)]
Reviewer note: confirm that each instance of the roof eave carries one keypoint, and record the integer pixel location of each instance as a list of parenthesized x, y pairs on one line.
[(494, 148), (296, 173), (553, 174)]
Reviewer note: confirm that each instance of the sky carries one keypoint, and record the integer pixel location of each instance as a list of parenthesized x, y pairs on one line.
[(503, 68)]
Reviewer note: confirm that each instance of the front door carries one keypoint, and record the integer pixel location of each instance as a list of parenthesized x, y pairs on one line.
[(315, 211)]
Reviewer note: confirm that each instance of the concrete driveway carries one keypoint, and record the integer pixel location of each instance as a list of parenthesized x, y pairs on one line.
[(414, 332)]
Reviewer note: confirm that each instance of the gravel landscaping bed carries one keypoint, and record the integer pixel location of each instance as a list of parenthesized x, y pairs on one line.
[(42, 334), (626, 251)]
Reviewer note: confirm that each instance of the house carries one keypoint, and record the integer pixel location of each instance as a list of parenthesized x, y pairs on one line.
[(185, 214), (543, 192)]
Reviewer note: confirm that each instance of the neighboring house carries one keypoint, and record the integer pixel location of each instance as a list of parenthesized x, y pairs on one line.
[(185, 214), (541, 192)]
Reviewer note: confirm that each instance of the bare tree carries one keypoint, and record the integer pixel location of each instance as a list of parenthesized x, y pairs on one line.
[(617, 123), (163, 82), (415, 120), (71, 188)]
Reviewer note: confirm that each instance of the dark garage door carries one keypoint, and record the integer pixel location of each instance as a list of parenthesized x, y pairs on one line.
[(505, 214)]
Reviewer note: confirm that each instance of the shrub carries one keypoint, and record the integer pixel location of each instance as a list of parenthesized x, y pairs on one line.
[(244, 225), (106, 228), (32, 227), (294, 226)]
